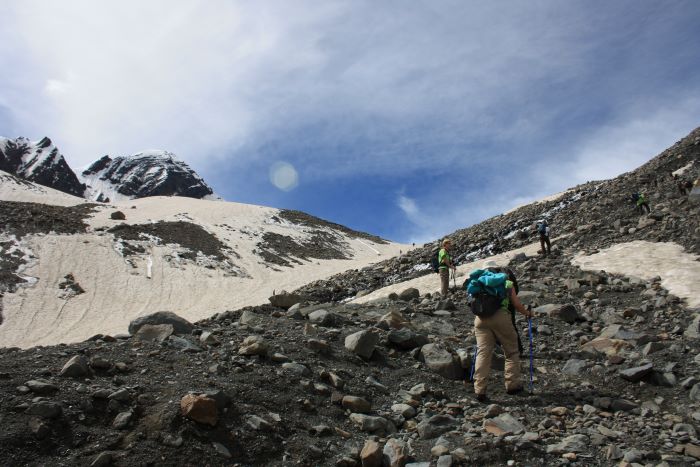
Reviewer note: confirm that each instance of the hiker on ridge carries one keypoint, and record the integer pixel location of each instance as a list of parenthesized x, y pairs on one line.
[(543, 230), (499, 327), (642, 203), (445, 264)]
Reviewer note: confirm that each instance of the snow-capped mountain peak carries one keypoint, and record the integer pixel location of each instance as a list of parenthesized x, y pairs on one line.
[(148, 173), (40, 162)]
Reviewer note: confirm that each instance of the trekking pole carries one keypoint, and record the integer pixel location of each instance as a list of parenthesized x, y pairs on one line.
[(529, 329), (471, 373)]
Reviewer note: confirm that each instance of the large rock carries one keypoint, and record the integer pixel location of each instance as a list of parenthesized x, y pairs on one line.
[(45, 409), (371, 455), (154, 332), (324, 318), (442, 362), (76, 367), (406, 339), (285, 300), (394, 319), (41, 387), (396, 453), (504, 424), (695, 192), (636, 374), (607, 346), (574, 367), (409, 294), (436, 425), (180, 325), (362, 343), (254, 345), (370, 424), (573, 443), (356, 404), (693, 330), (199, 408), (566, 313)]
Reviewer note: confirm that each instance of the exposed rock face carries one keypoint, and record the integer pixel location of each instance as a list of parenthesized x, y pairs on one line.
[(39, 162), (148, 173)]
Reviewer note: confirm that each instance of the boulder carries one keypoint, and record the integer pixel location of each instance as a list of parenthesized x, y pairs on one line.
[(436, 425), (180, 325), (371, 454), (409, 294), (566, 313), (254, 345), (200, 409), (356, 404), (285, 300), (396, 453), (504, 424), (406, 339), (442, 362), (394, 319), (370, 424), (117, 216), (323, 318), (573, 443), (636, 374), (574, 367), (362, 343), (76, 367), (154, 332)]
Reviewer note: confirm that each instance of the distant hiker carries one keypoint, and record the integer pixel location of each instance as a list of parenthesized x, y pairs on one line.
[(495, 324), (642, 203), (543, 231), (444, 266), (684, 186)]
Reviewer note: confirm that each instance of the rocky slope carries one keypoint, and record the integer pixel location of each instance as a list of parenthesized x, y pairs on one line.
[(148, 173), (39, 162), (311, 381), (587, 217)]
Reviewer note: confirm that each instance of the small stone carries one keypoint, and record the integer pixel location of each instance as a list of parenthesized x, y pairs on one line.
[(356, 404), (504, 424), (200, 409), (221, 450), (103, 459), (122, 420)]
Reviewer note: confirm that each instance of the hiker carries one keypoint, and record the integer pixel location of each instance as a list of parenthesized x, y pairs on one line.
[(684, 186), (491, 266), (445, 264), (498, 327), (543, 230), (642, 203)]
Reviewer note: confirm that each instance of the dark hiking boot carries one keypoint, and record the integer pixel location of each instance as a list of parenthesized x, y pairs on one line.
[(482, 398), (516, 391)]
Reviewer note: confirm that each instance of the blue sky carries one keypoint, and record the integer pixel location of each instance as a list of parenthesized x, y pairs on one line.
[(407, 120)]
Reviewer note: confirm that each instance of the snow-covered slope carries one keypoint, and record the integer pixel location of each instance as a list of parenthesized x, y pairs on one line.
[(40, 162), (148, 173), (190, 256)]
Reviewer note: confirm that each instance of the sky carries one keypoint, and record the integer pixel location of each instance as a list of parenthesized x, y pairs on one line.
[(409, 120)]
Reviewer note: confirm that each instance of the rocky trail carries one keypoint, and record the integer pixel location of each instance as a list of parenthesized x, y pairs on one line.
[(616, 380)]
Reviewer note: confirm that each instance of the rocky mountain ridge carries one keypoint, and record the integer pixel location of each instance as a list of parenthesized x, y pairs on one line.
[(39, 162), (147, 173)]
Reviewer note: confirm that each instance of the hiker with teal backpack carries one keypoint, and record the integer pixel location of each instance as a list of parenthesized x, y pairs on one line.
[(490, 295)]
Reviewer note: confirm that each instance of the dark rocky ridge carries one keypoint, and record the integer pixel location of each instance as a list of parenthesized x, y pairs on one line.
[(148, 174), (46, 166)]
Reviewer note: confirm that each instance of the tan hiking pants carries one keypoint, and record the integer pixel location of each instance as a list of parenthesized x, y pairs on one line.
[(444, 281), (498, 326)]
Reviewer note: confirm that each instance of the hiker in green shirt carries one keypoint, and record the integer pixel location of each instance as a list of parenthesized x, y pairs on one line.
[(445, 264)]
